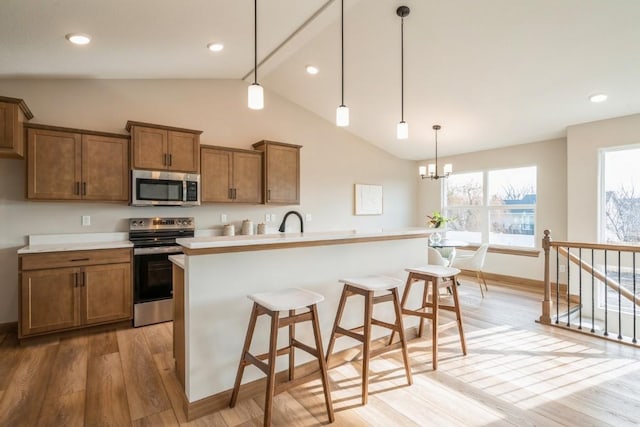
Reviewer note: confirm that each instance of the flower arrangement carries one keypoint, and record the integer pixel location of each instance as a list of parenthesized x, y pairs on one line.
[(436, 220)]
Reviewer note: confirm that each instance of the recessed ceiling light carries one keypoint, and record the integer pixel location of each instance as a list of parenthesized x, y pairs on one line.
[(313, 70), (215, 47), (598, 97), (78, 38)]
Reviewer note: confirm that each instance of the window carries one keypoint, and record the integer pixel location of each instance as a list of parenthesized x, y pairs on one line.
[(498, 206), (620, 195)]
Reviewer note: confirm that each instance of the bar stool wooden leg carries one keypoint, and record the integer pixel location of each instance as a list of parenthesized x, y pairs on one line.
[(245, 350), (292, 334), (403, 340), (434, 322), (456, 303), (336, 323), (366, 349), (271, 376), (405, 297), (425, 301), (322, 362)]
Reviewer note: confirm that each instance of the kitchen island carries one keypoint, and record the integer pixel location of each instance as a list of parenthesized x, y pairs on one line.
[(219, 272)]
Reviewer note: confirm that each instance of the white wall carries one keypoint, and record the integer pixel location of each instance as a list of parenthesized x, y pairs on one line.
[(584, 142), (551, 209), (332, 160)]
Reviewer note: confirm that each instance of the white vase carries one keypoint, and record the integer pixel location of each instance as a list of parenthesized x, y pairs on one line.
[(435, 238)]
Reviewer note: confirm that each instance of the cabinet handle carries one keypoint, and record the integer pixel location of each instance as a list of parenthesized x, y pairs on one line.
[(80, 259), (268, 195), (84, 188), (235, 193), (164, 159), (77, 189), (170, 159)]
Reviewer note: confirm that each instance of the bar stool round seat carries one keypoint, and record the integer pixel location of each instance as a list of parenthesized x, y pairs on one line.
[(373, 283), (433, 277), (387, 290), (271, 304), (287, 299)]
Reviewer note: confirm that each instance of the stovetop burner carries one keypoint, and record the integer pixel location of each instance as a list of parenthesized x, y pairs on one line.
[(145, 232)]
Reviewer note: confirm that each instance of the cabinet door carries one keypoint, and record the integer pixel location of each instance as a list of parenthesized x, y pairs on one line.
[(105, 168), (247, 177), (7, 118), (49, 300), (149, 148), (216, 177), (54, 169), (283, 174), (106, 293), (184, 151)]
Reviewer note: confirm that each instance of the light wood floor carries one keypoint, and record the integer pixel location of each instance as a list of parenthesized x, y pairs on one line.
[(517, 372)]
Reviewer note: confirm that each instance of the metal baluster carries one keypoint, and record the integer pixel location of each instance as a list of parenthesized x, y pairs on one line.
[(580, 283), (619, 301), (568, 288), (606, 304), (557, 285), (593, 295), (634, 298)]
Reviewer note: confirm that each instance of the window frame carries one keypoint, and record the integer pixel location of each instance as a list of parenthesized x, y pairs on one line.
[(485, 208)]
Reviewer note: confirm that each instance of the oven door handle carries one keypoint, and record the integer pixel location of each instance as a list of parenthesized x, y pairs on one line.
[(158, 250)]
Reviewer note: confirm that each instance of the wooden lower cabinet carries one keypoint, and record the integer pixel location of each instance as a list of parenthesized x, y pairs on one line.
[(49, 300), (96, 291)]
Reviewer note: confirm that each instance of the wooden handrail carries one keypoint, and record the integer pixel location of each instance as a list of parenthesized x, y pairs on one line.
[(563, 248), (600, 276)]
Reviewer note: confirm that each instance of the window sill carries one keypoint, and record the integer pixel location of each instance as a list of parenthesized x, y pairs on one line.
[(534, 253)]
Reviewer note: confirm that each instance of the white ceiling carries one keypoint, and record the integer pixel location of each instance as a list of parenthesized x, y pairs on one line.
[(491, 72)]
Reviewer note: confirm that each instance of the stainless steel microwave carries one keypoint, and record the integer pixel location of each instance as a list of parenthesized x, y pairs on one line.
[(160, 188)]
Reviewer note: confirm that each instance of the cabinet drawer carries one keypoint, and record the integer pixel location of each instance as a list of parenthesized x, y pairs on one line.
[(74, 258)]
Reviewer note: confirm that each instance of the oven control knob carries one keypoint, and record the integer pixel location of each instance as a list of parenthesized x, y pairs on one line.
[(190, 222)]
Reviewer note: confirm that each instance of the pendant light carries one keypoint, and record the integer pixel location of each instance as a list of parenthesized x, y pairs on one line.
[(432, 172), (342, 112), (402, 130), (256, 94)]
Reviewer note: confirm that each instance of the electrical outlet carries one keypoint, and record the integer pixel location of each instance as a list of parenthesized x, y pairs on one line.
[(267, 217), (223, 218), (86, 220), (274, 218), (308, 218)]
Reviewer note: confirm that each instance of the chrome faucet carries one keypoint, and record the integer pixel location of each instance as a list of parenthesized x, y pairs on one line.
[(284, 221)]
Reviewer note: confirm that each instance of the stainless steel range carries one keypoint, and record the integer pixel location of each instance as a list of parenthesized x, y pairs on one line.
[(154, 240)]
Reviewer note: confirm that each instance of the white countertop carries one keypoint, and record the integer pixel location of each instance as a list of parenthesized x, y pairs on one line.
[(177, 260), (270, 239), (75, 242)]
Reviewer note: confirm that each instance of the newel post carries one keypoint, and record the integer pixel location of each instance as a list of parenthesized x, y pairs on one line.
[(545, 318)]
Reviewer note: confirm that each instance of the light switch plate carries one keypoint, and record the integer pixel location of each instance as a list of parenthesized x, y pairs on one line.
[(308, 217), (223, 218), (86, 220)]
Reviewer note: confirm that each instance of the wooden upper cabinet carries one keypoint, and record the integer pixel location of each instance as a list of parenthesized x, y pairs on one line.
[(67, 164), (13, 113), (54, 170), (158, 147), (105, 168), (231, 175), (281, 172)]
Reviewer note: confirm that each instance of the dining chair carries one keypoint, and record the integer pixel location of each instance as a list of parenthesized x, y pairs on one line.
[(474, 262), (443, 256)]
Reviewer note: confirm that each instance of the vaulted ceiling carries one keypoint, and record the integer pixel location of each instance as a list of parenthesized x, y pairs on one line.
[(492, 72)]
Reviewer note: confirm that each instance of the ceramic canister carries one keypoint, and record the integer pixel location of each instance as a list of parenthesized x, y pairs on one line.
[(262, 228), (229, 230), (247, 227)]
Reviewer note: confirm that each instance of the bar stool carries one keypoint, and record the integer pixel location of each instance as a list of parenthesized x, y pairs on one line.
[(434, 277), (367, 286), (272, 303)]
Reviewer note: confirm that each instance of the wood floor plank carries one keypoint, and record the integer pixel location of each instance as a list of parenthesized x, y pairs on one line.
[(66, 410), (212, 420), (160, 419), (145, 393), (159, 338), (22, 400), (244, 411), (9, 358), (165, 365), (289, 412), (103, 343), (106, 396)]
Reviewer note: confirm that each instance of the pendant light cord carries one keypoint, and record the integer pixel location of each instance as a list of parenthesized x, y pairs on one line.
[(342, 47), (255, 41), (436, 152), (402, 70)]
